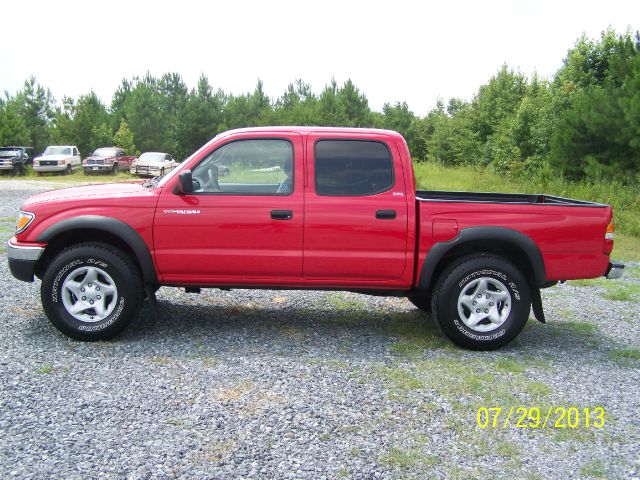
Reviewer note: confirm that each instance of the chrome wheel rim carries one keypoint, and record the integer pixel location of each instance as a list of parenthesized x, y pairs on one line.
[(484, 304), (89, 294)]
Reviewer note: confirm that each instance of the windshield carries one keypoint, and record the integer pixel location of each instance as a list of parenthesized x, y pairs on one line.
[(10, 152), (58, 151), (152, 157), (105, 152)]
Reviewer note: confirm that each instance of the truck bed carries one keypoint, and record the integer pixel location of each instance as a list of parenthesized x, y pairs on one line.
[(511, 198)]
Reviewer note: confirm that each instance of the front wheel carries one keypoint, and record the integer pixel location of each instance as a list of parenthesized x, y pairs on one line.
[(68, 170), (91, 292), (481, 302), (115, 169)]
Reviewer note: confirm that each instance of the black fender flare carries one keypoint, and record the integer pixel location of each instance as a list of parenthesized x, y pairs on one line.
[(111, 225), (513, 237)]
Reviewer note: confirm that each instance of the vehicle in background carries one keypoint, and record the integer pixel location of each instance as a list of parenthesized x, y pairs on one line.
[(15, 159), (107, 160), (57, 158), (153, 164)]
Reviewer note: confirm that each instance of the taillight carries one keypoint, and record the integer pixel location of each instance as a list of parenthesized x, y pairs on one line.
[(608, 238)]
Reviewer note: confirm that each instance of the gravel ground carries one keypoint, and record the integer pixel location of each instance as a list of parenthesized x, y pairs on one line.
[(284, 384)]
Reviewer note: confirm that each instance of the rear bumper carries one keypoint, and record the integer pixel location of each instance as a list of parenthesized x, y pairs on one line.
[(615, 270), (23, 260)]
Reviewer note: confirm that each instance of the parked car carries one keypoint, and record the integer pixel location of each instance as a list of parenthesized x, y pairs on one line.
[(57, 158), (341, 213), (107, 160), (153, 163), (15, 159)]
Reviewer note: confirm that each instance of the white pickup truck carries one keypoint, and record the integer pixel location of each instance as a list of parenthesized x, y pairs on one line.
[(62, 158)]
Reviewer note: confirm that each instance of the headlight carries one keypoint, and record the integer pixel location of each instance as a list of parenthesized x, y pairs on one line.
[(24, 220), (61, 162)]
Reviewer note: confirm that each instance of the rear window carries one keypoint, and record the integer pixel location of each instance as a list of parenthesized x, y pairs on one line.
[(352, 168)]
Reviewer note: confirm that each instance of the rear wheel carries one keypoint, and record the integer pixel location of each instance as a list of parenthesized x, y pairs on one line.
[(91, 292), (481, 302)]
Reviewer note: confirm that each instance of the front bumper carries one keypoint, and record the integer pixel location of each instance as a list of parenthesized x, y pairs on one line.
[(6, 165), (23, 260), (97, 168), (50, 168), (615, 270), (144, 170)]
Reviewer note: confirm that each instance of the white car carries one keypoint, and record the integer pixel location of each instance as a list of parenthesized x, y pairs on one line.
[(60, 158), (153, 163)]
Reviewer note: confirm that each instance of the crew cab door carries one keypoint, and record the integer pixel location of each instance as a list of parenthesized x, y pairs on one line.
[(355, 209), (241, 226)]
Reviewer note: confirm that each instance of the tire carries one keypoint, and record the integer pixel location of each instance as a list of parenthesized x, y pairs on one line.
[(423, 301), (115, 169), (501, 311), (17, 170), (107, 277), (68, 170), (162, 172)]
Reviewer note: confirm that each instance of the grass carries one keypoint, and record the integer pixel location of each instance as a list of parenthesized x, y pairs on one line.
[(406, 459), (593, 469), (623, 292), (624, 199), (626, 357), (77, 176), (45, 369)]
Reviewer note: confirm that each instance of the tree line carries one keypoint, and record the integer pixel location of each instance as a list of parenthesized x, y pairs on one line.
[(584, 122)]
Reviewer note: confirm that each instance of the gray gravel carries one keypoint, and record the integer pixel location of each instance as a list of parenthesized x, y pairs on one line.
[(284, 384)]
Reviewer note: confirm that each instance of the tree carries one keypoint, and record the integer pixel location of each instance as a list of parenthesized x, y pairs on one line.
[(91, 124), (13, 130), (35, 106), (123, 138)]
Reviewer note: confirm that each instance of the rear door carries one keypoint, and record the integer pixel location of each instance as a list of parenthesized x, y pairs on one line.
[(355, 209), (243, 223)]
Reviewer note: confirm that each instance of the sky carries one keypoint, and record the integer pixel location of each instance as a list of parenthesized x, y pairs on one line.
[(414, 51)]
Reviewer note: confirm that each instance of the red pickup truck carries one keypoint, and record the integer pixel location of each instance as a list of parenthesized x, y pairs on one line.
[(107, 160), (306, 208)]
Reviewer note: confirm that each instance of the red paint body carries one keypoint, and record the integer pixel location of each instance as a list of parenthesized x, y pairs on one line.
[(331, 242)]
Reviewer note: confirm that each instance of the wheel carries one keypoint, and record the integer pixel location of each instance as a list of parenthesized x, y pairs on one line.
[(422, 301), (17, 169), (115, 169), (162, 172), (91, 291), (68, 170), (481, 302)]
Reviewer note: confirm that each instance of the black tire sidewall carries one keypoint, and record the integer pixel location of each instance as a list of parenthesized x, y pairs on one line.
[(458, 278), (127, 283)]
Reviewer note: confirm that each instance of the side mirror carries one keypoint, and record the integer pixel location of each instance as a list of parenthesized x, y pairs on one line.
[(185, 183)]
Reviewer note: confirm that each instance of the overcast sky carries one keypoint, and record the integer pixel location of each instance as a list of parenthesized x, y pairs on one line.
[(413, 51)]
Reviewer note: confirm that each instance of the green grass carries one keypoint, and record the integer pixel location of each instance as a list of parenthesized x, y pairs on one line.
[(45, 369), (77, 176), (593, 469), (624, 199), (623, 292), (626, 357), (399, 458)]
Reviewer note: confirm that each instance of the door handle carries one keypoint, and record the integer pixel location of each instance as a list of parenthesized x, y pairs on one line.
[(281, 214), (386, 214)]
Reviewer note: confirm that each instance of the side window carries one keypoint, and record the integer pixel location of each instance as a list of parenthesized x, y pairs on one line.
[(247, 167), (121, 153), (75, 151), (352, 168)]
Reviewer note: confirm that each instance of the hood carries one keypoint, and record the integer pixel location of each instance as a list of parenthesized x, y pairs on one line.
[(90, 192), (145, 163), (96, 157), (53, 157)]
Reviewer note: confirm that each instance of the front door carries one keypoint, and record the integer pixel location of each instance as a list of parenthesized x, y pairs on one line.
[(244, 220)]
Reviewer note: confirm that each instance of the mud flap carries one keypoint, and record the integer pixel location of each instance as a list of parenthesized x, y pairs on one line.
[(153, 303), (536, 303)]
